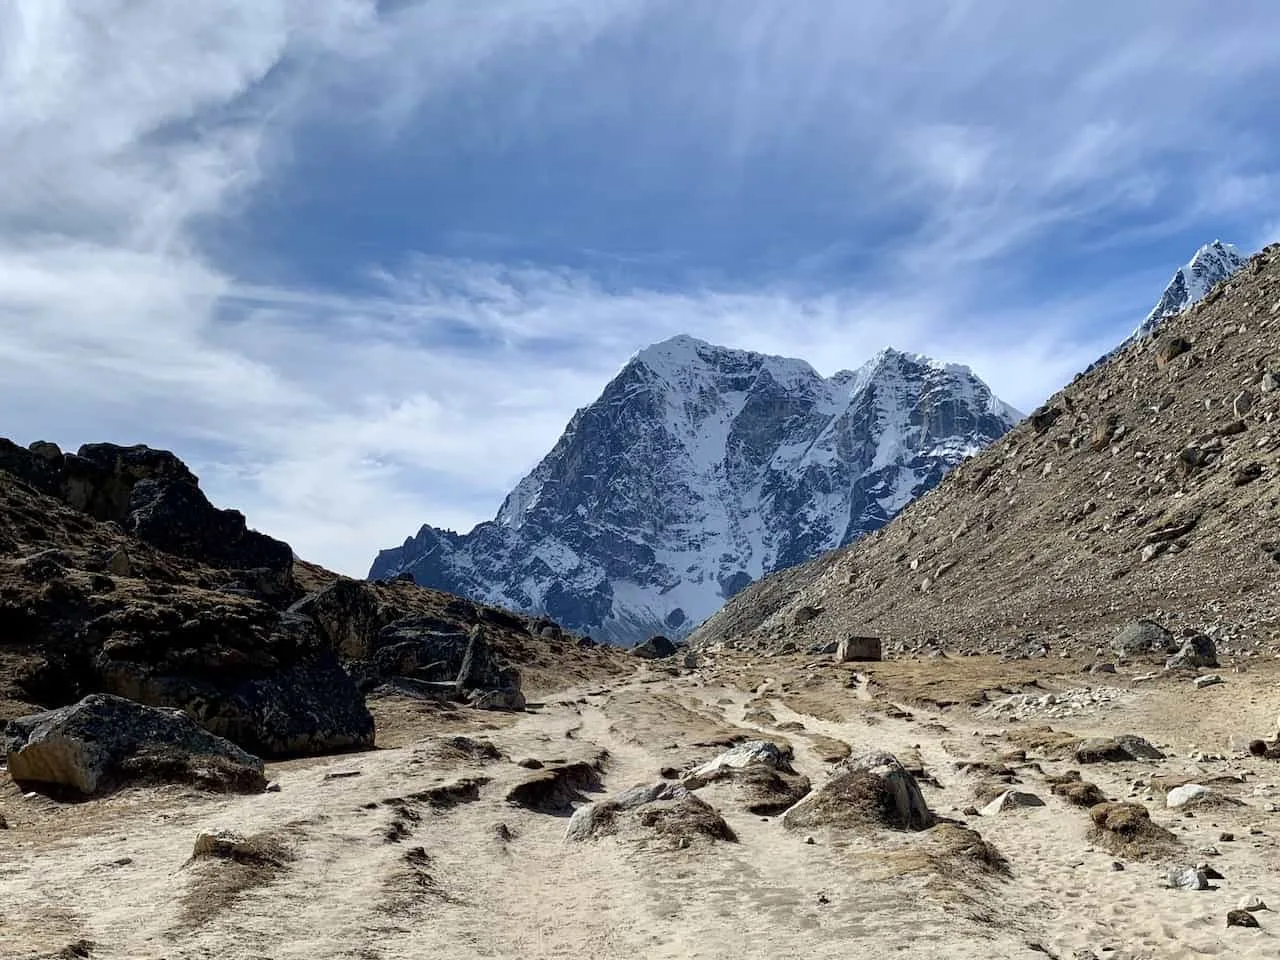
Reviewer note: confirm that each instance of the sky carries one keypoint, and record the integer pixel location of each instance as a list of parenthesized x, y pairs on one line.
[(358, 262)]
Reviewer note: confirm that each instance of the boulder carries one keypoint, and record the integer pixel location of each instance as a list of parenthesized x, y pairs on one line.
[(871, 790), (263, 685), (759, 773), (346, 614), (1169, 349), (1186, 795), (751, 753), (666, 808), (1242, 918), (1010, 800), (1144, 637), (1187, 878), (105, 741), (509, 699), (854, 649), (1197, 650), (655, 648), (1121, 749)]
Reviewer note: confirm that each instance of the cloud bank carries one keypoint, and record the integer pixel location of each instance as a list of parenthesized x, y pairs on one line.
[(359, 262)]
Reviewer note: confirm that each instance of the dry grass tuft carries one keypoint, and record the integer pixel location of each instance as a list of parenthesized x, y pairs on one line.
[(1074, 790), (686, 819), (1126, 830), (225, 867)]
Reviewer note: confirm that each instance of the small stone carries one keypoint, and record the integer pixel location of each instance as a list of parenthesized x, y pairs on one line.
[(1208, 680), (1242, 918), (1116, 866), (1185, 794), (810, 841), (530, 763), (1252, 904), (1226, 837), (1187, 878), (1242, 404), (273, 788)]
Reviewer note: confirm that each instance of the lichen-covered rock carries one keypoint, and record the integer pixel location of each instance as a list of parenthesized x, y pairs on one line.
[(1144, 637), (105, 741)]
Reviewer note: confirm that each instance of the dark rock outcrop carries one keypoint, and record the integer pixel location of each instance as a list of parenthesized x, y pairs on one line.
[(104, 742), (655, 648), (152, 495)]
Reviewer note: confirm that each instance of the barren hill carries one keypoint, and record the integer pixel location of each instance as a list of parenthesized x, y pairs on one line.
[(1148, 486)]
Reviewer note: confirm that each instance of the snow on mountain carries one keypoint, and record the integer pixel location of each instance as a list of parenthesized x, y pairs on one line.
[(700, 469), (1212, 263)]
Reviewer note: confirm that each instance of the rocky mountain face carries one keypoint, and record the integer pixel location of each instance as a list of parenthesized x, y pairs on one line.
[(1146, 488), (1212, 264), (701, 469), (118, 578)]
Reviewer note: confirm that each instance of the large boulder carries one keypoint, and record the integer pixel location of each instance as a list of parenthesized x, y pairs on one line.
[(655, 648), (348, 616), (269, 686), (871, 790), (853, 649), (104, 742), (1197, 650), (1144, 637)]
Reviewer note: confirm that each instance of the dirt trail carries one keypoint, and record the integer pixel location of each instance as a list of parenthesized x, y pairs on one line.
[(483, 878)]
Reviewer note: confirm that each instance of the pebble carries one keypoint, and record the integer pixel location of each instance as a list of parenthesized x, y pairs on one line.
[(1208, 680)]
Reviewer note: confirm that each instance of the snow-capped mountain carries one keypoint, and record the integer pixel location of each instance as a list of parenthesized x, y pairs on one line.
[(1213, 263), (700, 469)]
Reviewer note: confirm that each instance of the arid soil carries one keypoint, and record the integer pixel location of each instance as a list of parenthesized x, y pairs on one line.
[(413, 849)]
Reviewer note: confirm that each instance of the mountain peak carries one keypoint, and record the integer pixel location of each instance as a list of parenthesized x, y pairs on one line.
[(700, 469), (1211, 264)]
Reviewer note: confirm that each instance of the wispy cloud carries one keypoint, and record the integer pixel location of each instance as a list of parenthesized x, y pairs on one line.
[(360, 261)]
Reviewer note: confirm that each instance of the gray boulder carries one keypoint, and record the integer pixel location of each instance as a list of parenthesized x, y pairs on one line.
[(104, 742), (1144, 637), (1197, 650), (655, 648)]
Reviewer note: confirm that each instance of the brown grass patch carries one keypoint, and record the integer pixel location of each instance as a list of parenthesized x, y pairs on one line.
[(225, 867), (947, 850), (1126, 830), (857, 798), (1046, 741), (829, 749), (1076, 791), (686, 819)]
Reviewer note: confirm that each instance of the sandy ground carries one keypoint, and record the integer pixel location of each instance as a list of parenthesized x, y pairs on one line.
[(115, 873)]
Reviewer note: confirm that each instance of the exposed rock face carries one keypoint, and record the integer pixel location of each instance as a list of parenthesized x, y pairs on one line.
[(152, 495), (105, 741), (1144, 486), (699, 470), (1197, 650), (1144, 637)]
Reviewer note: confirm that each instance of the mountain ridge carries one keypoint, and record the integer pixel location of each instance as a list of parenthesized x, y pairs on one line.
[(699, 469), (1146, 487)]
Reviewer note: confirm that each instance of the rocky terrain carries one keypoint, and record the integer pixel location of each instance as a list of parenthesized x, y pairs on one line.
[(1034, 716), (1148, 487), (699, 470)]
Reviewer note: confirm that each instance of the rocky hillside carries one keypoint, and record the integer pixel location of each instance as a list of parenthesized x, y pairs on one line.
[(701, 469), (118, 577), (1149, 486)]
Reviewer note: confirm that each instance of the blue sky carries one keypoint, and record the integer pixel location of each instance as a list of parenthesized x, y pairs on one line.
[(359, 262)]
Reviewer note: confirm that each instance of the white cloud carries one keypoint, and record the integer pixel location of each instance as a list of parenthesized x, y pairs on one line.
[(341, 421)]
